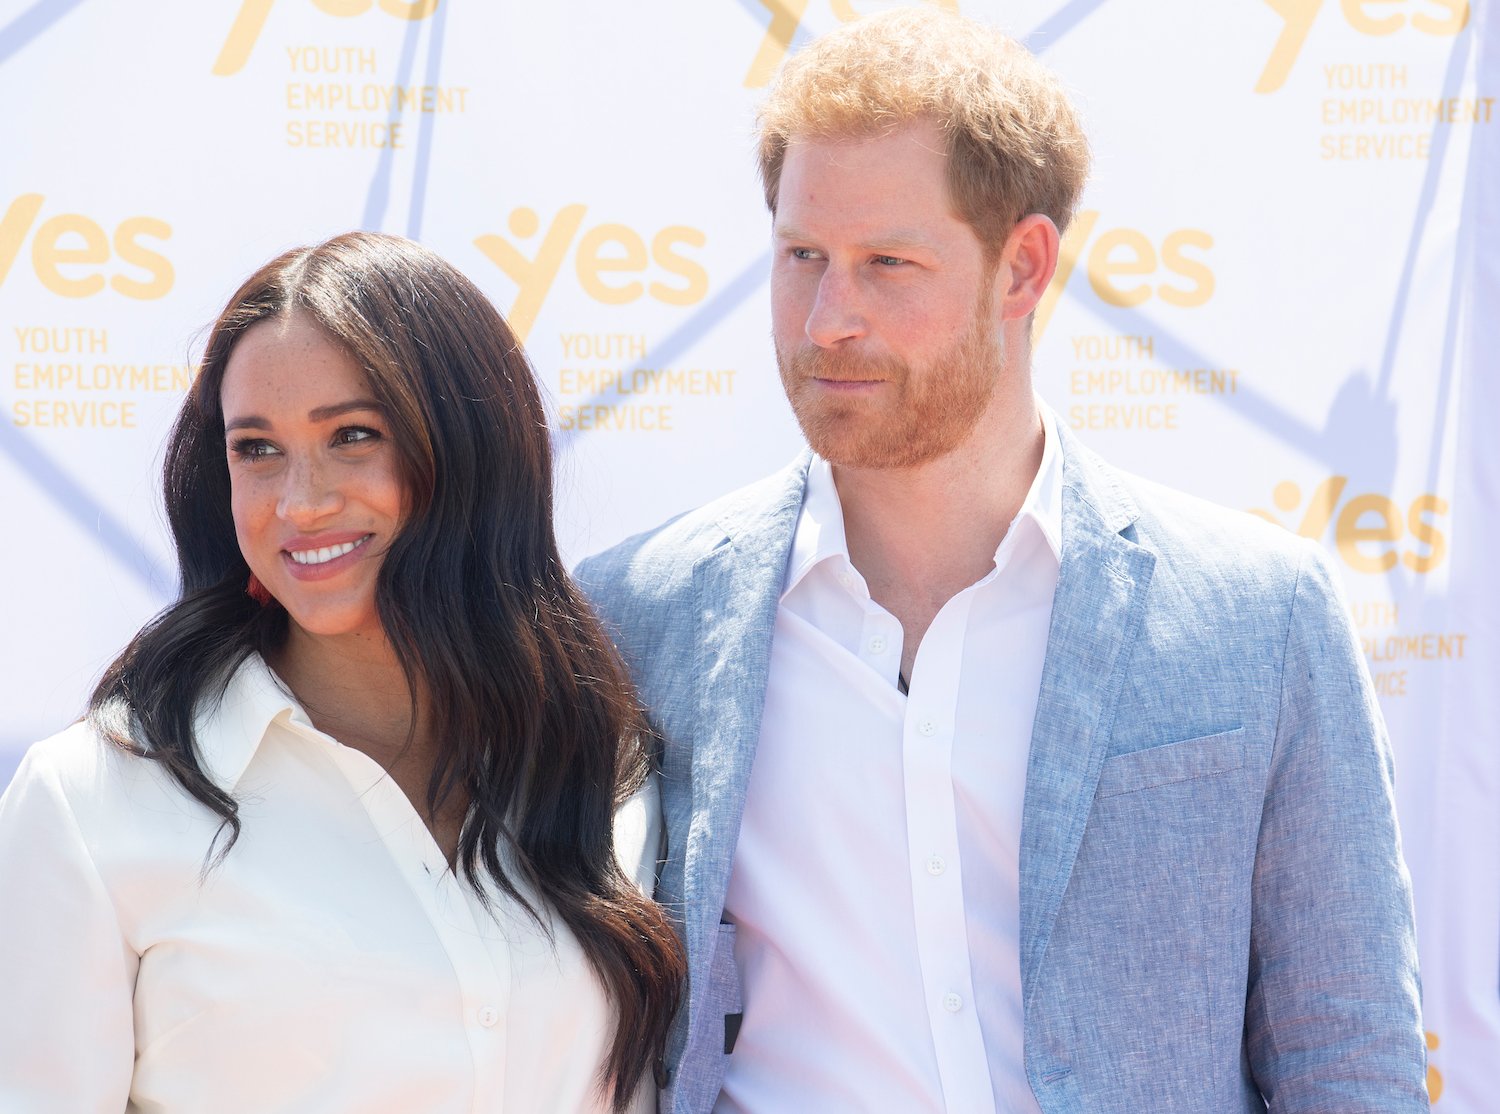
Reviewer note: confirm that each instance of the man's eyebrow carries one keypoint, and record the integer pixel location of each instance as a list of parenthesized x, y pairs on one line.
[(895, 238), (898, 238), (318, 414)]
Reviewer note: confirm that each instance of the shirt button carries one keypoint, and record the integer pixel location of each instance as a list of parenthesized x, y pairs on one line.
[(927, 728), (936, 866), (877, 644), (952, 1003), (488, 1015)]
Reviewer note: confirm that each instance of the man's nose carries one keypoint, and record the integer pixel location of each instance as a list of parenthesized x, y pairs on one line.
[(838, 312)]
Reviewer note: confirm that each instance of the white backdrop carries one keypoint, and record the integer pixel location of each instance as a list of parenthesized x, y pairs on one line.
[(1280, 295)]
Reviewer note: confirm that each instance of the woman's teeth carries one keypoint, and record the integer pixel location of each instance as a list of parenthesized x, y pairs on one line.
[(325, 554)]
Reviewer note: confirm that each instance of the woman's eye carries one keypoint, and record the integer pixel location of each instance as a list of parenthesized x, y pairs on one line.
[(353, 435), (252, 448)]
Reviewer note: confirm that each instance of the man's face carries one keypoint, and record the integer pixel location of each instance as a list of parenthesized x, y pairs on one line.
[(882, 302)]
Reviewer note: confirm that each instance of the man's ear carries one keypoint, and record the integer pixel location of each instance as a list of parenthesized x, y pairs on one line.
[(1027, 263)]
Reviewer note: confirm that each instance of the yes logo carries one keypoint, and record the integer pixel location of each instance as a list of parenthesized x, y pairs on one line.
[(1368, 17), (786, 20), (604, 249), (1434, 1077), (1368, 526), (71, 241), (1127, 268), (251, 20)]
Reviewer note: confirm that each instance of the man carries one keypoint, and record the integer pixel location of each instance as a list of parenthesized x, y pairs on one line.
[(995, 779)]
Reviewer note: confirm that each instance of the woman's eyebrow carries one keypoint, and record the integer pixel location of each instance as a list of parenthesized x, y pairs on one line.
[(318, 414)]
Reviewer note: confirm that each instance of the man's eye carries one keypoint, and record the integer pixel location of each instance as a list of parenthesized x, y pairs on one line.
[(889, 260), (804, 253)]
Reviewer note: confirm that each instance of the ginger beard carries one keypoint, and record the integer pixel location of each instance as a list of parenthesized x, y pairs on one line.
[(917, 416)]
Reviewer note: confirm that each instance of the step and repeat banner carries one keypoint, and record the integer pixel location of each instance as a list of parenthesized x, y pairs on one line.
[(1280, 294)]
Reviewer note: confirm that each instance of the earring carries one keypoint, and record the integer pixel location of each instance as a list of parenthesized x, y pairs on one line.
[(257, 591)]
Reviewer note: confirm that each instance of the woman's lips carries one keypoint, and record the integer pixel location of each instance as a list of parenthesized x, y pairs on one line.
[(323, 556)]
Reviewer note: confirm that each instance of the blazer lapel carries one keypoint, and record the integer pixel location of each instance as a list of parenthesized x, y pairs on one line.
[(737, 589), (1096, 617)]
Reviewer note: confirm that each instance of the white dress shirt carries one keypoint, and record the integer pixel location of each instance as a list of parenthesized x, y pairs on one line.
[(875, 885), (330, 963)]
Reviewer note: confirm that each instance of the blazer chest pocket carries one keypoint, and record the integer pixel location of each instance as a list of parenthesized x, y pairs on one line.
[(1172, 762)]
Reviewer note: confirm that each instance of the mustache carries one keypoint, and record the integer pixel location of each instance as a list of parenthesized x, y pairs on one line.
[(812, 362)]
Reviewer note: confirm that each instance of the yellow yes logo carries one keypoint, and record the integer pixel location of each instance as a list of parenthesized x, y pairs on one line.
[(251, 20), (605, 249), (1368, 17), (786, 20), (1434, 1077), (71, 241), (1368, 526), (1124, 264)]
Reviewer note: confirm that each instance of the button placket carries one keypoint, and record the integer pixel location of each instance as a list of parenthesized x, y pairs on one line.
[(932, 836), (482, 974)]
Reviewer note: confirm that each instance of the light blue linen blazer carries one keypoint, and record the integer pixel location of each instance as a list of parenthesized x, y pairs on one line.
[(1215, 915)]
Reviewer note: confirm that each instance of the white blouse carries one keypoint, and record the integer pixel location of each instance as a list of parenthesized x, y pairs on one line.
[(331, 963)]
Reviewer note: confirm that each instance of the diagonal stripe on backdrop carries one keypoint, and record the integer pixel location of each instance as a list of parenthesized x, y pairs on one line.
[(34, 21), (1059, 23), (80, 506), (1251, 404), (720, 306)]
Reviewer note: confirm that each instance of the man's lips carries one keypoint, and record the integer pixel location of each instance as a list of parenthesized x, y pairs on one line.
[(846, 386)]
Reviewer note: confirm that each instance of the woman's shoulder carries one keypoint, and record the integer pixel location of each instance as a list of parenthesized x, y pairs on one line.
[(76, 755), (76, 765)]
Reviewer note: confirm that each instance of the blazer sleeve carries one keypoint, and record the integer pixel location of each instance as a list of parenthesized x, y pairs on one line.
[(1333, 1019), (67, 1043)]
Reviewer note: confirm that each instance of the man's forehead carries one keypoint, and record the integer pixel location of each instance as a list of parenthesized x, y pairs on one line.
[(897, 182)]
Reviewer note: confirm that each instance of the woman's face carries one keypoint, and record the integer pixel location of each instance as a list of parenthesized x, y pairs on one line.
[(315, 490)]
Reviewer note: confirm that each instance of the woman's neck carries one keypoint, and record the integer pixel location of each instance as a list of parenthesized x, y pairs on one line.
[(353, 689)]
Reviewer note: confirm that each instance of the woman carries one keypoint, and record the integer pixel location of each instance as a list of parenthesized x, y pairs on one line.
[(336, 833)]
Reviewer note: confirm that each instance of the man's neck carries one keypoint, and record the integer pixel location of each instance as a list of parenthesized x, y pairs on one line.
[(921, 535)]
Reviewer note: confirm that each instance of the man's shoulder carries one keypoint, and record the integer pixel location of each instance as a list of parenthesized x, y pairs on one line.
[(1199, 529), (659, 562), (1202, 541)]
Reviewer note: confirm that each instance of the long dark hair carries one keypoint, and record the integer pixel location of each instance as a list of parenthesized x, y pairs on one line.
[(539, 726)]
